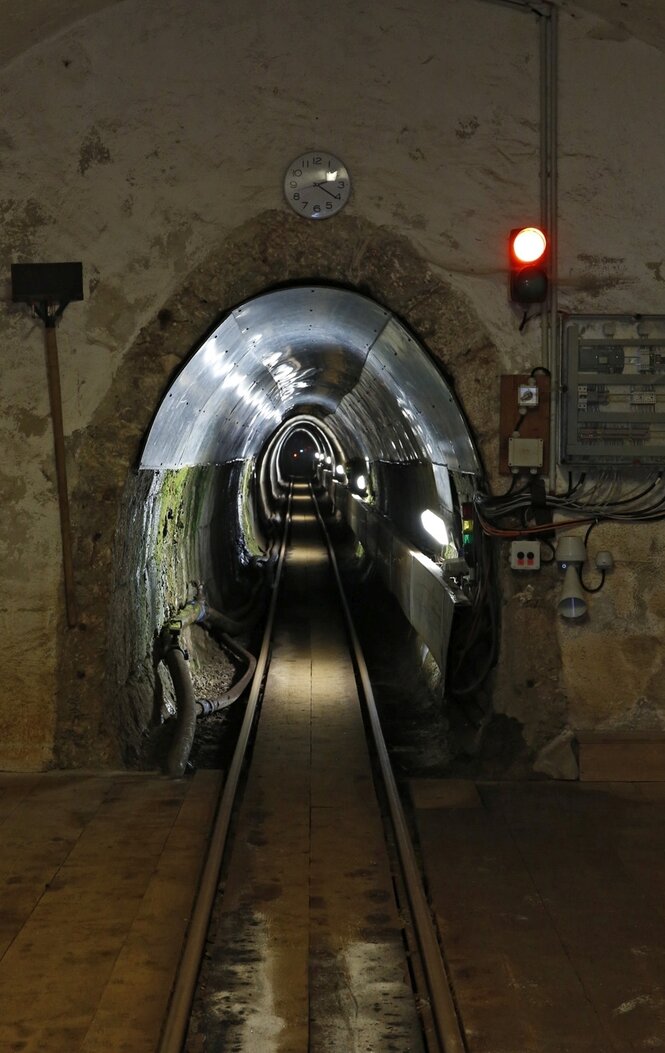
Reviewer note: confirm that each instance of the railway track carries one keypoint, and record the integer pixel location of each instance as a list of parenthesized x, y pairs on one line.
[(312, 931)]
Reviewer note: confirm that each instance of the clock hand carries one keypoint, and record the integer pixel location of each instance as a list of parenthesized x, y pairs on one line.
[(322, 186)]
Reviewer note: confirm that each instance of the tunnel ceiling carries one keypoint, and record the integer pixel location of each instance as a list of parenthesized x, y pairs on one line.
[(325, 352)]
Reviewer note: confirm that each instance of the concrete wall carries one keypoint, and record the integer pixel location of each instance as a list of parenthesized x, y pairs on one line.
[(149, 140)]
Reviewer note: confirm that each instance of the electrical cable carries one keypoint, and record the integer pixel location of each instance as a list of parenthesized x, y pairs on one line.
[(546, 541), (596, 588), (586, 536), (623, 509), (484, 622)]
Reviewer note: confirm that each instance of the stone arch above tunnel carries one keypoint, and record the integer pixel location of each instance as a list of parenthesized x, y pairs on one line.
[(272, 250)]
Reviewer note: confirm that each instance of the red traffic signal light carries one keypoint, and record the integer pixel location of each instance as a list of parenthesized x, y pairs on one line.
[(528, 255)]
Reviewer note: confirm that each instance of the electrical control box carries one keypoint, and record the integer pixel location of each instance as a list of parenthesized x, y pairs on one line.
[(613, 390), (524, 421), (525, 554)]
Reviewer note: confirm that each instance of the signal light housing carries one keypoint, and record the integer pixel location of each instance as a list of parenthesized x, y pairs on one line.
[(527, 250), (468, 533)]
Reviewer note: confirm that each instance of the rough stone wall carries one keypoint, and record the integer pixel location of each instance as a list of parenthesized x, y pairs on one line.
[(148, 139), (175, 530)]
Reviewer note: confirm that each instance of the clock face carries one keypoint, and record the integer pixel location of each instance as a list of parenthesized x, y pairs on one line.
[(317, 185)]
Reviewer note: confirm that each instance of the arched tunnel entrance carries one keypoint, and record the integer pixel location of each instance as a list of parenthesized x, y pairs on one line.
[(317, 383)]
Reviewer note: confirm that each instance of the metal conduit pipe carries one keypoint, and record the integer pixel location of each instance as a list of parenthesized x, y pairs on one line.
[(547, 13), (176, 661)]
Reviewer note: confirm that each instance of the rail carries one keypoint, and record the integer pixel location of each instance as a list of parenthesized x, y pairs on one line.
[(443, 1018), (177, 1019)]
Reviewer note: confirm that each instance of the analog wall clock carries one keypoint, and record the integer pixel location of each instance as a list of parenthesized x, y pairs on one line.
[(317, 185)]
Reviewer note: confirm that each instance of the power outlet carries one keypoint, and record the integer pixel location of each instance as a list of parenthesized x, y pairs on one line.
[(525, 554)]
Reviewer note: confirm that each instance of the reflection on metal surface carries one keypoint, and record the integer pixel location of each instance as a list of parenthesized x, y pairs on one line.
[(322, 352)]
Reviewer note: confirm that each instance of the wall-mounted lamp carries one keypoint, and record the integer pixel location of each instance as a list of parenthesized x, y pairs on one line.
[(435, 526), (570, 555)]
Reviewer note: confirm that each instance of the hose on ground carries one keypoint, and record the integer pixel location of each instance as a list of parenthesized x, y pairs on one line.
[(205, 706), (176, 660), (181, 745)]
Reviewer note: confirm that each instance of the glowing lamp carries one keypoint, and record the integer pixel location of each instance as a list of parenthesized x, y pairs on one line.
[(529, 245), (435, 526), (527, 248)]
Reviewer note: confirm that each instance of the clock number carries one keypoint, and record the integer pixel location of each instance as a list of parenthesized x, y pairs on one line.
[(293, 183), (316, 160), (305, 204), (296, 197), (297, 172), (341, 184), (316, 208), (328, 204)]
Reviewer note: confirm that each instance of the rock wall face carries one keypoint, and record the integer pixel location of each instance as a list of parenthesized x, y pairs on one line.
[(149, 140)]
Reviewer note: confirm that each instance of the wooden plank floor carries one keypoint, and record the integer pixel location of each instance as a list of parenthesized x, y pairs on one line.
[(551, 901), (97, 878), (306, 954)]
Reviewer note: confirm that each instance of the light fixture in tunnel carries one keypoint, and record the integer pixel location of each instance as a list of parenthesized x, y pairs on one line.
[(339, 470), (328, 459), (361, 483), (435, 526)]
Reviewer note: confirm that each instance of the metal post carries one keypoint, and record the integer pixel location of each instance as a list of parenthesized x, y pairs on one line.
[(55, 396)]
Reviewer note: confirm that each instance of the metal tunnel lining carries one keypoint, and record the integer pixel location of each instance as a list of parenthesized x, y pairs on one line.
[(327, 352)]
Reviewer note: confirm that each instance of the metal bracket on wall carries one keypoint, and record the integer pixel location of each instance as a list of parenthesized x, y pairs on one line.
[(49, 288)]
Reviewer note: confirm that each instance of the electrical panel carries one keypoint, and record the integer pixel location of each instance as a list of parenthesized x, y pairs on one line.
[(613, 390)]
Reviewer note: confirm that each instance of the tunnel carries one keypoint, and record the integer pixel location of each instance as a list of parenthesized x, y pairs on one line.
[(310, 382)]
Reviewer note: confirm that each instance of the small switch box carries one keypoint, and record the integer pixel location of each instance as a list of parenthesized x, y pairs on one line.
[(525, 554)]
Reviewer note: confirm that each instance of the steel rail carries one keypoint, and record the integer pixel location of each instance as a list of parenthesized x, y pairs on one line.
[(444, 1011), (182, 995)]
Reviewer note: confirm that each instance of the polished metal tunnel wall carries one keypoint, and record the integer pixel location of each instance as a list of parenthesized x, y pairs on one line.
[(325, 352)]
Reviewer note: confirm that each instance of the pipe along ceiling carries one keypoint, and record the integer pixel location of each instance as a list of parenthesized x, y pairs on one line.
[(327, 360)]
